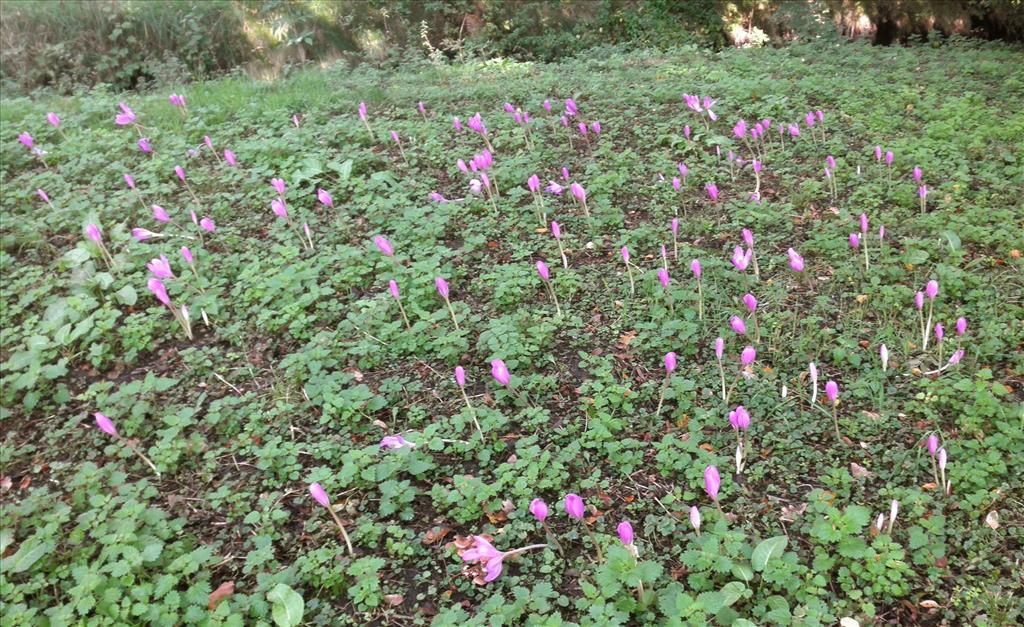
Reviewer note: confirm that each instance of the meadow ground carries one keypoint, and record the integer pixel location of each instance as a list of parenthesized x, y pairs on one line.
[(300, 363)]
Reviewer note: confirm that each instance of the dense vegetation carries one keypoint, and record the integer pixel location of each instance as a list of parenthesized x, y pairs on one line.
[(295, 365), (138, 44)]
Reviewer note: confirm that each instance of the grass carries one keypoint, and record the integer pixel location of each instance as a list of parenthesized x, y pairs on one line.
[(306, 363)]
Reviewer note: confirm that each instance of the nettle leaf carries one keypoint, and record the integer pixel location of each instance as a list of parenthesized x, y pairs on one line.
[(766, 550), (30, 552), (288, 605)]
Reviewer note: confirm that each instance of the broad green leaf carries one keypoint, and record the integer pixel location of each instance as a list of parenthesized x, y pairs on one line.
[(772, 547), (951, 239), (127, 295), (28, 554), (288, 605)]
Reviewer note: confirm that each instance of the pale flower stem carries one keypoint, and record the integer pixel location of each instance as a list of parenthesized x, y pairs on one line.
[(835, 420), (551, 290), (404, 317), (452, 312), (524, 549), (927, 327), (675, 247), (565, 262), (558, 544), (757, 329), (720, 510), (368, 129), (721, 374), (142, 457), (586, 210), (632, 285), (700, 306), (661, 397), (867, 262), (472, 412), (935, 470), (753, 257), (943, 485), (344, 534)]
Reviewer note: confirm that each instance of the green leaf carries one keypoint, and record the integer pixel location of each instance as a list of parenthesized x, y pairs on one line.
[(772, 547), (344, 169), (951, 239), (288, 605), (126, 295), (28, 554)]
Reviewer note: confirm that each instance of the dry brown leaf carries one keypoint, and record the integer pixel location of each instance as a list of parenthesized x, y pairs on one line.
[(992, 520), (435, 534), (859, 471), (707, 447), (626, 338), (928, 604), (394, 600), (931, 485), (792, 512), (223, 591)]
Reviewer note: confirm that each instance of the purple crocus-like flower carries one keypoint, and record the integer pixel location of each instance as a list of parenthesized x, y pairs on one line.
[(26, 140), (570, 107), (554, 188), (748, 356), (796, 262), (719, 348), (533, 183), (160, 268), (556, 230), (393, 288), (695, 518), (279, 209), (955, 358), (738, 325), (383, 245), (712, 482), (362, 111), (324, 197), (229, 157), (129, 181), (319, 494), (961, 325), (739, 418), (46, 198), (187, 254), (854, 240), (670, 362), (741, 259), (145, 146), (105, 424), (141, 234), (931, 289), (180, 172), (53, 119), (442, 287), (933, 444), (457, 124), (392, 442), (278, 185), (574, 506), (919, 300), (663, 277), (889, 157), (695, 268), (460, 376), (158, 289), (940, 332), (542, 270), (832, 391), (595, 127), (750, 301), (625, 531), (93, 233), (547, 105), (126, 117), (208, 225), (500, 372), (539, 509), (484, 552), (917, 174), (712, 190)]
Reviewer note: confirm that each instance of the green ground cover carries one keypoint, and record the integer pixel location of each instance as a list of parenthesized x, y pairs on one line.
[(300, 362)]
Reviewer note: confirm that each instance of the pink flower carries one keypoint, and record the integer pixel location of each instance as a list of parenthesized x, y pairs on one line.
[(484, 552), (931, 289), (278, 185), (126, 117), (556, 230), (105, 424), (362, 111), (961, 325), (712, 482), (547, 105), (26, 140), (578, 191), (93, 232), (832, 391), (539, 509), (719, 348), (229, 156), (52, 118), (42, 195), (500, 372), (141, 234), (738, 325), (129, 181), (624, 251), (796, 262), (554, 188), (157, 287), (383, 245), (889, 157), (663, 277), (542, 270), (277, 206), (393, 287), (457, 124), (695, 268), (740, 418), (460, 376), (919, 300), (670, 362), (695, 517), (160, 267), (595, 127), (854, 240), (180, 171), (750, 301), (574, 506), (570, 107), (145, 146), (442, 287), (712, 190), (917, 174), (393, 442), (741, 259), (187, 254), (319, 494), (933, 444), (160, 214), (625, 531), (864, 223), (207, 225), (748, 356)]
